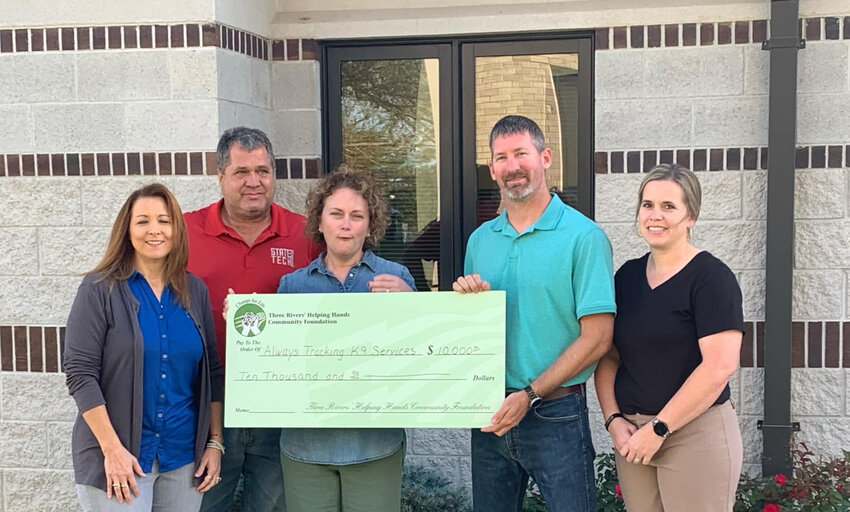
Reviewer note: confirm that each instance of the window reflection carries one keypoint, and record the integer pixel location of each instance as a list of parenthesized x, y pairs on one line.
[(390, 120), (543, 88)]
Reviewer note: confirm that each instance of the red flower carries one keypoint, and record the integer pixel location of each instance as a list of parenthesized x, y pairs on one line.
[(780, 480), (618, 490), (771, 507), (839, 488)]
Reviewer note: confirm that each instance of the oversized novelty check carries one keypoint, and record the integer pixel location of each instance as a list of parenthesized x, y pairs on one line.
[(365, 359)]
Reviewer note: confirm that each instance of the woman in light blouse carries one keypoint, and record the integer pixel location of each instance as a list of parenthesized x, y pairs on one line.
[(333, 470)]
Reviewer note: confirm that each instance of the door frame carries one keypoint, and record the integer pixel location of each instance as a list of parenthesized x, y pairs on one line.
[(581, 47), (458, 180), (451, 243)]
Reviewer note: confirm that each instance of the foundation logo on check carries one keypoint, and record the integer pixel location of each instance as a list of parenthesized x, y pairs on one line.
[(250, 319)]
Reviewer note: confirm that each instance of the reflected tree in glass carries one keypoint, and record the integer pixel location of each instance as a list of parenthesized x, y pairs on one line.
[(389, 128)]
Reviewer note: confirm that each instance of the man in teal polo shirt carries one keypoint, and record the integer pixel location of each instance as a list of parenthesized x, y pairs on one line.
[(556, 269)]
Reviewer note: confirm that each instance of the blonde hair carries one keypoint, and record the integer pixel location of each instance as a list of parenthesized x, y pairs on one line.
[(682, 176)]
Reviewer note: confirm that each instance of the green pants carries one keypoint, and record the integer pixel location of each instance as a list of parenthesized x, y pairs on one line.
[(373, 486)]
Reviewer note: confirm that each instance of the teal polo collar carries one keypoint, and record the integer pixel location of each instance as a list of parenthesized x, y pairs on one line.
[(546, 222)]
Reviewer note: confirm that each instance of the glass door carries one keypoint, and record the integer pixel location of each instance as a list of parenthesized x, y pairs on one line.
[(394, 120), (547, 81), (418, 115)]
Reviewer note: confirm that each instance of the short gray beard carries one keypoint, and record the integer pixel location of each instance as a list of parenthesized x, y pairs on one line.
[(519, 195)]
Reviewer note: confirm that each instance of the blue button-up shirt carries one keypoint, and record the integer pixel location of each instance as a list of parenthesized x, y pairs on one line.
[(340, 446), (173, 352)]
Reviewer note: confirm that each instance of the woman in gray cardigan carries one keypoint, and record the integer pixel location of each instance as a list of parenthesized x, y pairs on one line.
[(141, 363)]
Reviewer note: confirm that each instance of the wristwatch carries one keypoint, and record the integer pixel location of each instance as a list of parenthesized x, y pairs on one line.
[(533, 398), (660, 428)]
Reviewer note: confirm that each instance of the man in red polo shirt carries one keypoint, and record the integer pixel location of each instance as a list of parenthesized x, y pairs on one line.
[(246, 242)]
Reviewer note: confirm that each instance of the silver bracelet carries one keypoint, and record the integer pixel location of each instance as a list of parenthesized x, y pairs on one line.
[(212, 443)]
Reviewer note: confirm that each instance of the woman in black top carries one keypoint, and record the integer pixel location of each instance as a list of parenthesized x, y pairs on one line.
[(664, 385)]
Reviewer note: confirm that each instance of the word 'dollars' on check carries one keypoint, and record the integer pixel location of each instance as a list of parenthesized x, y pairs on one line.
[(365, 360)]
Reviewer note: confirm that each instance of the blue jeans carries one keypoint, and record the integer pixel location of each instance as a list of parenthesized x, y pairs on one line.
[(253, 454), (552, 445)]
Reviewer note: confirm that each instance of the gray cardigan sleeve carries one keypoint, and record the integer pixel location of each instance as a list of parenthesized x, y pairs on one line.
[(85, 334), (216, 371)]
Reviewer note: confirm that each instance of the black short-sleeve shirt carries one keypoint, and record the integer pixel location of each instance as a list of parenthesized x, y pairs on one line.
[(657, 331)]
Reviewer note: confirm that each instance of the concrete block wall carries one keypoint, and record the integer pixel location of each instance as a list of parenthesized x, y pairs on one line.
[(91, 112), (295, 116), (30, 13), (704, 105)]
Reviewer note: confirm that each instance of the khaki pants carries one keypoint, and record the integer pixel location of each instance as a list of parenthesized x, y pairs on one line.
[(697, 467)]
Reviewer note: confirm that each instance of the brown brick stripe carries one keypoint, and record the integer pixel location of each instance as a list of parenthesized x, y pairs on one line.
[(713, 33), (717, 159), (39, 39), (181, 163), (814, 344), (298, 168), (32, 348), (131, 37)]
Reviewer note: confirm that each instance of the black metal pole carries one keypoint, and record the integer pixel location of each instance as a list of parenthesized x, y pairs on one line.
[(783, 45)]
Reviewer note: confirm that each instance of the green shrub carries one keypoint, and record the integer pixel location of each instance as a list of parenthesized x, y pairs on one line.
[(425, 490), (821, 485), (818, 485), (608, 495), (533, 501)]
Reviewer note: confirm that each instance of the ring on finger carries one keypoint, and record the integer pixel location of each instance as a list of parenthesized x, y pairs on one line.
[(637, 460), (116, 484)]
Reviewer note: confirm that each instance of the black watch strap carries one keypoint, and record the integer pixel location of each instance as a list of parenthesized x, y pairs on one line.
[(612, 418), (533, 398)]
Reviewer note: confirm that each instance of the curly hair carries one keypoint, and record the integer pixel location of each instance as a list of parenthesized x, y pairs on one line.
[(362, 183)]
